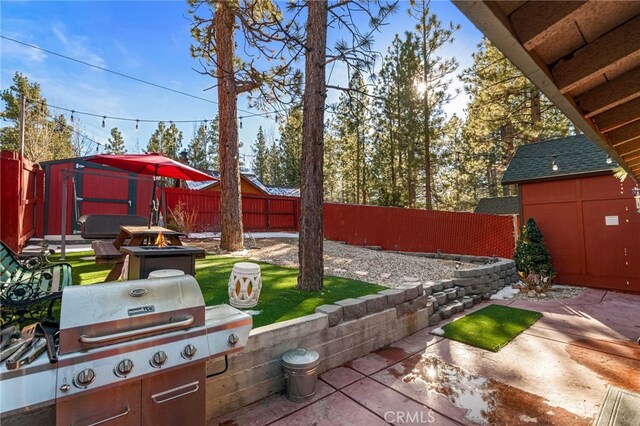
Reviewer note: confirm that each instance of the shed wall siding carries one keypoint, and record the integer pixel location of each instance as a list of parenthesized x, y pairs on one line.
[(584, 250)]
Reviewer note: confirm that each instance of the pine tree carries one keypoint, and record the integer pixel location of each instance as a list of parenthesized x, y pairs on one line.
[(46, 137), (213, 152), (506, 110), (531, 254), (197, 149), (274, 165), (166, 140), (290, 148), (259, 165), (434, 85), (351, 121), (115, 144)]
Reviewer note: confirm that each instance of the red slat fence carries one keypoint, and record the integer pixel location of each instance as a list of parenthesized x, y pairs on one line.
[(259, 212), (21, 200), (426, 231)]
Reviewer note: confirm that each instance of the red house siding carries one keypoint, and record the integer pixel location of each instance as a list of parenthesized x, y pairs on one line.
[(584, 249)]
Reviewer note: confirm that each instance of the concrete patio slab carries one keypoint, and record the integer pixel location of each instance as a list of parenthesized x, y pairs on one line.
[(270, 409), (393, 406), (556, 372), (341, 377), (335, 410)]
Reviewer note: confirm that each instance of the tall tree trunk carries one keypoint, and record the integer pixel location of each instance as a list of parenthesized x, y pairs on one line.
[(394, 181), (535, 111), (426, 115), (230, 200), (364, 169), (358, 182), (311, 191)]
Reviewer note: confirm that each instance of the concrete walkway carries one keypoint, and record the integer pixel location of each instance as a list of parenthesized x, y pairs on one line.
[(556, 372)]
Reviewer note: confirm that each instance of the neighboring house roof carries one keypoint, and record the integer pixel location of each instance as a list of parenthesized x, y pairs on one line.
[(575, 155), (251, 178), (498, 205), (283, 191)]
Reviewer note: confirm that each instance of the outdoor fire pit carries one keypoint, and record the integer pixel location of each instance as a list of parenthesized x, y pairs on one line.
[(145, 259)]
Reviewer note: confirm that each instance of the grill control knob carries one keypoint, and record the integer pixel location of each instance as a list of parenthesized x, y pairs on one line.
[(158, 359), (189, 351), (84, 378), (123, 368), (233, 339)]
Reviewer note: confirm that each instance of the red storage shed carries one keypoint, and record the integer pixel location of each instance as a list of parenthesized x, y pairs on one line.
[(589, 218)]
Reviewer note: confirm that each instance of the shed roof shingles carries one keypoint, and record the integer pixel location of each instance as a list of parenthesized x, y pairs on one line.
[(575, 155), (498, 205)]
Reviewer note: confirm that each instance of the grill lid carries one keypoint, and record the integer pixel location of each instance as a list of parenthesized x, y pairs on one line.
[(102, 314)]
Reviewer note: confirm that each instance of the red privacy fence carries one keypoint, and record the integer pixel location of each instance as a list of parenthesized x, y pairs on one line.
[(420, 230), (21, 200), (259, 212)]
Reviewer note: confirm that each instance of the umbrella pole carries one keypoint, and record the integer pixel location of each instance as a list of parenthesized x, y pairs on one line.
[(163, 202), (153, 202)]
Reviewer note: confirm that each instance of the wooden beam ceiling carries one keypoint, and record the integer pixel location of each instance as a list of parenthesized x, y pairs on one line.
[(610, 94), (629, 147), (624, 134), (618, 116), (535, 22), (617, 48)]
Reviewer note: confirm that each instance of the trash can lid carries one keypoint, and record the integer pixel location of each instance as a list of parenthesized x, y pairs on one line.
[(300, 358)]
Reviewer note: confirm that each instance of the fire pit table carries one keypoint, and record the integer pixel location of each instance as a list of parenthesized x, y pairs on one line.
[(145, 259), (138, 235), (143, 236)]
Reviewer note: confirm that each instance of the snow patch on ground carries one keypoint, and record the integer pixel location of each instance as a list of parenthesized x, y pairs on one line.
[(505, 293), (438, 331), (88, 258)]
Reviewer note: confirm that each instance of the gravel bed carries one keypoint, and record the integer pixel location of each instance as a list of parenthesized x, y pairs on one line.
[(373, 266), (556, 292)]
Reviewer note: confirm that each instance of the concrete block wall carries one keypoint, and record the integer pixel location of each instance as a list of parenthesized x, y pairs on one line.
[(488, 278), (349, 329), (358, 327)]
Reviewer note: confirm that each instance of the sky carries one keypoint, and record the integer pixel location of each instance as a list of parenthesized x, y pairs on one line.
[(150, 40)]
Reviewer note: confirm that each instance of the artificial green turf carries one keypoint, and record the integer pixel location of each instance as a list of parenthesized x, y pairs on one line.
[(491, 327), (280, 300)]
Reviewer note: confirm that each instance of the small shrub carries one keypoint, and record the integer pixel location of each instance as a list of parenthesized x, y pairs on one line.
[(531, 254), (183, 219)]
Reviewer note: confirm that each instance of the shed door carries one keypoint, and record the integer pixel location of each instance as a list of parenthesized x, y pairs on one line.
[(610, 246), (107, 193)]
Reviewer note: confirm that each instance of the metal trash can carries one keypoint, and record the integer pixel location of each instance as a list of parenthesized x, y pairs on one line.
[(301, 372)]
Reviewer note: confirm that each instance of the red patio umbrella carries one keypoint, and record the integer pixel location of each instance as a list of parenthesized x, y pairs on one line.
[(151, 164)]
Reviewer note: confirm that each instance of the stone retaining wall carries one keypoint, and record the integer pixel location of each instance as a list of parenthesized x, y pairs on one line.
[(347, 330)]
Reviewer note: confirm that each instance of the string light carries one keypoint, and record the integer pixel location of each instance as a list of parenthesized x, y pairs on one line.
[(241, 122), (554, 166), (137, 125), (104, 117), (72, 111), (609, 160)]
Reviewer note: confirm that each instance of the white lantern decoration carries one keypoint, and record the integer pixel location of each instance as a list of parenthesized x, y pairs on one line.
[(245, 284)]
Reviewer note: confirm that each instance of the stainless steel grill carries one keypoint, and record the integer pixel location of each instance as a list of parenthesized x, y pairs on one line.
[(141, 345)]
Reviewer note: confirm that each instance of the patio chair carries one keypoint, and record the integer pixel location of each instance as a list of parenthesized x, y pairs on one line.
[(31, 260), (28, 294)]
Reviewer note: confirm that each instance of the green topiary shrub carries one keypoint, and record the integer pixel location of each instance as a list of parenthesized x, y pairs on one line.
[(531, 255)]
